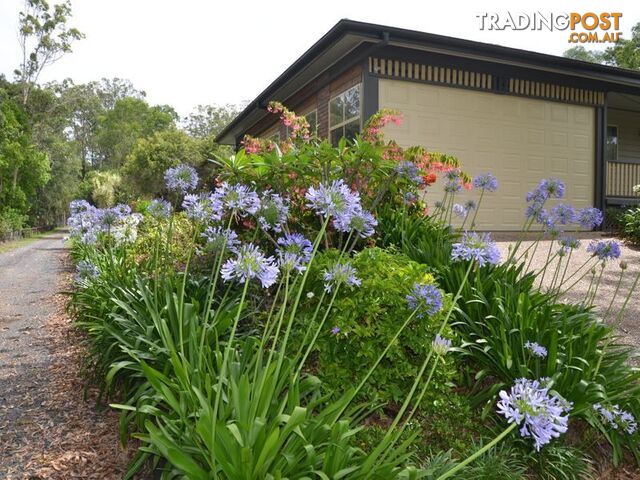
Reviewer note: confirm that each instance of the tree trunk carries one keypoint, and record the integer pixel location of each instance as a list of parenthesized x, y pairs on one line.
[(14, 184)]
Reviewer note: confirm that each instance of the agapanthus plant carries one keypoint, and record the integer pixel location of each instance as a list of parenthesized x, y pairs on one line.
[(425, 299), (476, 247), (340, 274), (250, 263), (617, 418), (159, 208), (536, 349), (218, 237), (181, 179), (605, 249), (294, 252), (541, 415)]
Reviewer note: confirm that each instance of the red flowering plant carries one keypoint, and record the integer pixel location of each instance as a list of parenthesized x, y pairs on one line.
[(381, 172)]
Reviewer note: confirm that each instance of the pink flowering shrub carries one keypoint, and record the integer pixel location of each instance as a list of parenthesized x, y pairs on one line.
[(382, 172)]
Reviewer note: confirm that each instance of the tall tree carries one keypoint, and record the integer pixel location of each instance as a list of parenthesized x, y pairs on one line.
[(208, 120), (624, 54), (129, 120), (44, 38), (23, 167)]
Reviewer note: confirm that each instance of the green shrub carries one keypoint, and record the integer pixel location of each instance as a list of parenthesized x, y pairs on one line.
[(631, 224), (368, 317)]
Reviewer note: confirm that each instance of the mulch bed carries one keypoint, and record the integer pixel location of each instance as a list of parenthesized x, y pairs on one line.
[(65, 434)]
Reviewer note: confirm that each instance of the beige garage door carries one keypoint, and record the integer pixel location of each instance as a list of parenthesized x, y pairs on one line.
[(519, 140)]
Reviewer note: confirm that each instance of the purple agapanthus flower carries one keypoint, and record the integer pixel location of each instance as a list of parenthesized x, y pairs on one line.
[(84, 223), (536, 349), (409, 198), (452, 174), (159, 208), (486, 182), (294, 252), (360, 221), (537, 211), (335, 330), (441, 345), (338, 274), (86, 271), (551, 188), (426, 299), (250, 263), (476, 247), (459, 210), (78, 206), (453, 186), (409, 171), (605, 249), (542, 416), (238, 198), (273, 212), (617, 418), (181, 179), (569, 242), (563, 214), (203, 207), (335, 199), (108, 217), (218, 237), (589, 217)]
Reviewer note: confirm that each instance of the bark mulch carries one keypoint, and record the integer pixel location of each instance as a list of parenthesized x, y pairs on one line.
[(58, 433)]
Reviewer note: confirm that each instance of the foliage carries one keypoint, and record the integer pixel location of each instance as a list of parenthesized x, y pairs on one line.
[(130, 119), (151, 156), (209, 120), (625, 53), (367, 319), (23, 168), (44, 39), (631, 224), (230, 360), (103, 185)]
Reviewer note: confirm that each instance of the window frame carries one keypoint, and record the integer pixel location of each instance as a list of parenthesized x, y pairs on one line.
[(617, 144), (349, 120), (315, 112)]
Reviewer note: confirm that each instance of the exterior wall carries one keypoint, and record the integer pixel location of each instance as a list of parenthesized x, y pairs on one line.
[(628, 124), (314, 96), (521, 140)]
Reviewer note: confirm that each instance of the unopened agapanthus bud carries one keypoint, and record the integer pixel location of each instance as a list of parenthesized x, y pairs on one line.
[(623, 265), (593, 270)]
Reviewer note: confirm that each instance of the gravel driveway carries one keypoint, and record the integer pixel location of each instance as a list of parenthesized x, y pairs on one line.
[(630, 320), (28, 281)]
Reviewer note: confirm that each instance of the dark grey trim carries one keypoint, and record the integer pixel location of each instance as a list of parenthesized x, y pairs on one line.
[(623, 201), (496, 58), (627, 162), (600, 167), (370, 92)]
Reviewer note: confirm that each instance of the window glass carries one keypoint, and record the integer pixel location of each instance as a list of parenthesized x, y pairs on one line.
[(351, 129), (611, 147), (352, 103), (336, 135), (312, 118), (336, 111), (344, 115)]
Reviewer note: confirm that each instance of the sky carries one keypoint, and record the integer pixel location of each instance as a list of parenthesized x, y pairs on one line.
[(189, 52)]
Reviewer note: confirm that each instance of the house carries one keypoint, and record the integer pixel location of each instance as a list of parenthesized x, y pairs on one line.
[(518, 114)]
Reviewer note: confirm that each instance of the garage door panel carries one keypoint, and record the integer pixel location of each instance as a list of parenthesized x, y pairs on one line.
[(520, 140)]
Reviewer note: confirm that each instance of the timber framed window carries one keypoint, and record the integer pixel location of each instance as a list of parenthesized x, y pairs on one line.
[(344, 114)]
